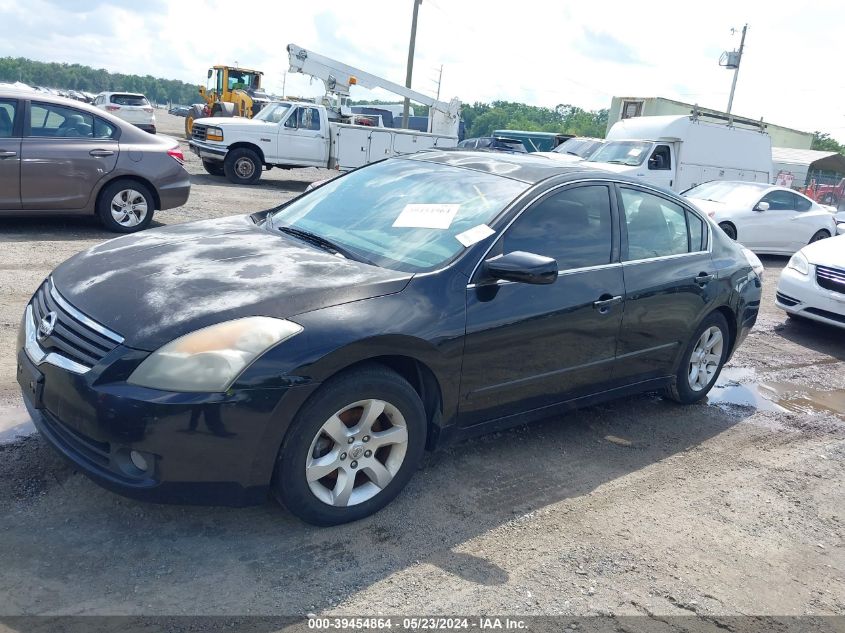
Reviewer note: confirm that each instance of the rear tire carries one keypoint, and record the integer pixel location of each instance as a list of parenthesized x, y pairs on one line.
[(351, 448), (729, 229), (214, 167), (702, 361), (819, 235), (126, 206), (242, 166)]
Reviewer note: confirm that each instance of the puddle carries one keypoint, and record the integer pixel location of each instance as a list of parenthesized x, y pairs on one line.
[(735, 387), (14, 423)]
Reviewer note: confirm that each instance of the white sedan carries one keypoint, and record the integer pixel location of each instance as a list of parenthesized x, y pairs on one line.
[(813, 283), (574, 150), (766, 219)]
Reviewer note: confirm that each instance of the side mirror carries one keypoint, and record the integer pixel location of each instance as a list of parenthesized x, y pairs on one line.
[(762, 206), (526, 268)]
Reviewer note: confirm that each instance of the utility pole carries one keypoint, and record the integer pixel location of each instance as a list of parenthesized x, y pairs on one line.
[(410, 72), (439, 81), (736, 69)]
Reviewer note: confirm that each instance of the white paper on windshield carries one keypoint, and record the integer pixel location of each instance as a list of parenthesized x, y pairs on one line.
[(427, 216), (636, 151), (474, 235)]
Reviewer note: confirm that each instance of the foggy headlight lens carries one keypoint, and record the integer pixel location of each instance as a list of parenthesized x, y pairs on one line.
[(210, 359), (214, 134), (799, 263)]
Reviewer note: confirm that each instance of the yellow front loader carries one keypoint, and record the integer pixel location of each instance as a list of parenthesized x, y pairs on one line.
[(233, 92)]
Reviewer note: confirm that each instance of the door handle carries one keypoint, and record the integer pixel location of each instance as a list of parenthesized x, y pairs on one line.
[(8, 154), (605, 302), (703, 279), (101, 152)]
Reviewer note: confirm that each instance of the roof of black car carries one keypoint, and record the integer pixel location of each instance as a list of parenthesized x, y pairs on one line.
[(524, 167)]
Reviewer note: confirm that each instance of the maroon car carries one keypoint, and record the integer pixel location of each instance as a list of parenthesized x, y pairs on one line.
[(60, 156)]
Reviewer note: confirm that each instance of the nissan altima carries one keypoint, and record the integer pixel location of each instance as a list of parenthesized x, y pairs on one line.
[(314, 351)]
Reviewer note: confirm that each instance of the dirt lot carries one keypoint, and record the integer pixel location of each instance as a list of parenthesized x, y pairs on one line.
[(635, 507)]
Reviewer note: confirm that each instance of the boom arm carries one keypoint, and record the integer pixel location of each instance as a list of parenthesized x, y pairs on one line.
[(338, 76)]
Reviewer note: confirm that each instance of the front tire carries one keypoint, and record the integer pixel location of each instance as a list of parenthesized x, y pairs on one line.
[(242, 166), (729, 229), (126, 206), (196, 112), (819, 235), (352, 447), (702, 361)]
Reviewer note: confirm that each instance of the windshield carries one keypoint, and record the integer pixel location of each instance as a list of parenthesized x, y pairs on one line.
[(740, 194), (622, 153), (582, 147), (241, 80), (273, 113), (387, 212)]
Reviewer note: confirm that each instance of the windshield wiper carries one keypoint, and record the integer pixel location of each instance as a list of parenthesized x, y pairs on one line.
[(322, 242)]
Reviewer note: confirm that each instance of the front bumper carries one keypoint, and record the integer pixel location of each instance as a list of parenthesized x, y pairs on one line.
[(802, 296), (212, 449), (207, 151)]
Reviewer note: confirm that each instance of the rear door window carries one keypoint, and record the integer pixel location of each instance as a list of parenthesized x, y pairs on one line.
[(802, 203), (657, 227), (57, 121)]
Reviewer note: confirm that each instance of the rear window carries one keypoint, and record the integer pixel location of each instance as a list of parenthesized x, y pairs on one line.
[(129, 100)]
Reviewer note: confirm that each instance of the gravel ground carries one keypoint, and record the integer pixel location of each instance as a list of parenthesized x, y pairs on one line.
[(637, 507)]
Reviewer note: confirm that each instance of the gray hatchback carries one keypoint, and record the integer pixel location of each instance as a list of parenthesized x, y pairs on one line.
[(60, 156)]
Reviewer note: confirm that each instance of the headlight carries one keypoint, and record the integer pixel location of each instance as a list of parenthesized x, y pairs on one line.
[(214, 134), (799, 264), (210, 359), (753, 261)]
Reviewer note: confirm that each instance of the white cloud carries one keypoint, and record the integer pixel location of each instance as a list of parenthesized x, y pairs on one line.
[(542, 52)]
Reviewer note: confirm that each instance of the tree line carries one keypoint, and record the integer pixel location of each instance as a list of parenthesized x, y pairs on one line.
[(480, 119), (87, 79)]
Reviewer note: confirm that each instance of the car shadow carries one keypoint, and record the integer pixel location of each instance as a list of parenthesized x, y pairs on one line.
[(61, 228), (819, 337), (272, 184), (473, 488)]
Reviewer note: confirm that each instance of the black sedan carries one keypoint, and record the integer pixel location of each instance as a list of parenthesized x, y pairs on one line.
[(314, 351)]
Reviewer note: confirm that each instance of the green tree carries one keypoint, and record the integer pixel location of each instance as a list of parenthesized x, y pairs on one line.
[(823, 141)]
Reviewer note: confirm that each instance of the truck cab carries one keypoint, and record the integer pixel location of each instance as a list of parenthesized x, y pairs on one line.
[(653, 161)]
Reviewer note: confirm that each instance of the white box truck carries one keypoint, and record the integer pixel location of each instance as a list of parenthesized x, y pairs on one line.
[(298, 134), (679, 152)]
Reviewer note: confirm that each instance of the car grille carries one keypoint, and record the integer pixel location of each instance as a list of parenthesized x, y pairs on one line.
[(74, 335), (199, 132), (831, 278)]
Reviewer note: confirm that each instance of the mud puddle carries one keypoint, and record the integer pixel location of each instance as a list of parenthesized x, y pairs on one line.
[(738, 386)]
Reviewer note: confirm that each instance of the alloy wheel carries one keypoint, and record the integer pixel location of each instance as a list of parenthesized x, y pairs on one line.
[(705, 358), (129, 208), (356, 453)]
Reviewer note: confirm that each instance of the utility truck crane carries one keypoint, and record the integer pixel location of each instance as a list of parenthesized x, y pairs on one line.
[(444, 118), (288, 134)]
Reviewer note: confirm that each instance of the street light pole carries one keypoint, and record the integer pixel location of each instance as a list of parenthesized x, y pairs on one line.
[(736, 70), (407, 105)]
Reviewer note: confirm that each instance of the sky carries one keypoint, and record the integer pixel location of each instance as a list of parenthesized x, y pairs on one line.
[(539, 52)]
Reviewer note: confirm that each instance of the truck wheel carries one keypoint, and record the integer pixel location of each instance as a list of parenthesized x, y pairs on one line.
[(196, 112), (214, 167), (242, 166)]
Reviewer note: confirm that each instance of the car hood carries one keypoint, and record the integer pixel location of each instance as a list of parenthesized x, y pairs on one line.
[(563, 158), (157, 285), (710, 207), (616, 168), (829, 252)]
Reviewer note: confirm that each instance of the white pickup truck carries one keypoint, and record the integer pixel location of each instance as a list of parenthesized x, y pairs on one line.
[(293, 134)]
